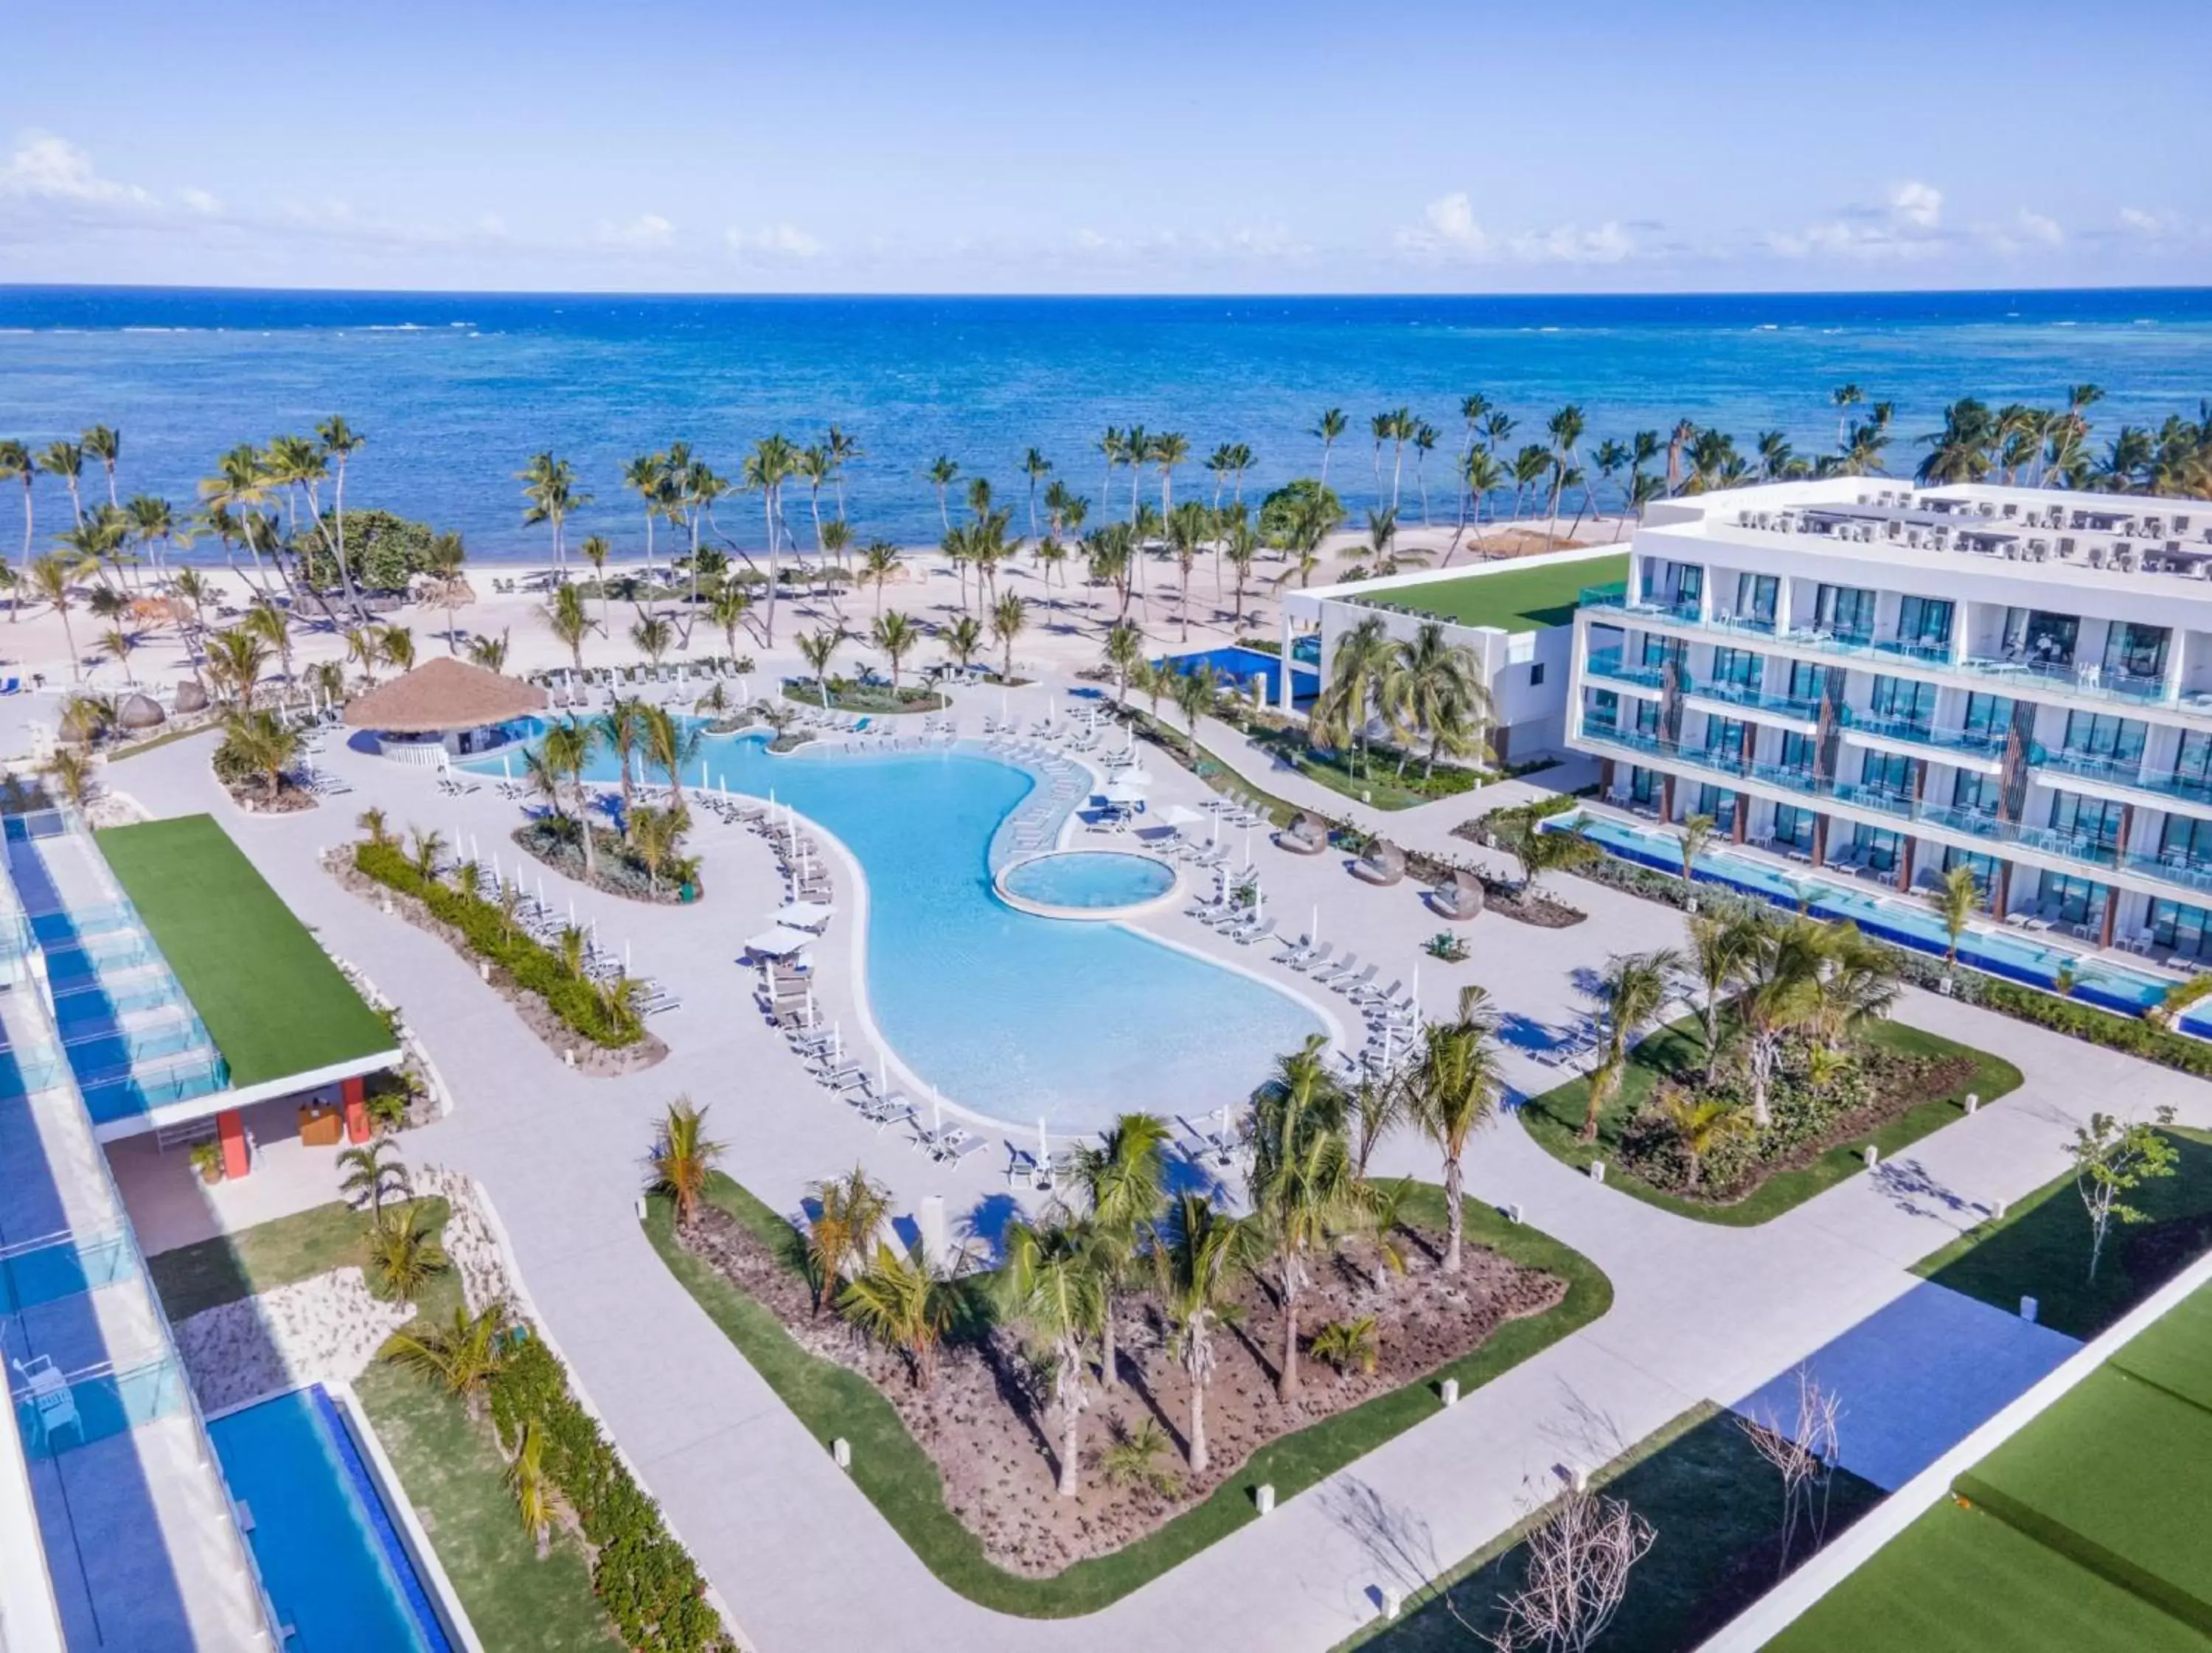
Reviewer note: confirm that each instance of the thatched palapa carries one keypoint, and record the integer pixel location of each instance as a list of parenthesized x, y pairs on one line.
[(443, 695)]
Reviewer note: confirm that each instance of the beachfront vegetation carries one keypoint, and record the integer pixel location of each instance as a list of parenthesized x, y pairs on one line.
[(1773, 1092)]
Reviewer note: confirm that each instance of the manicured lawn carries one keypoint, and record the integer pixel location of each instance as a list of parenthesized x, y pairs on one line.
[(871, 700), (899, 1478), (274, 1002), (447, 1462), (455, 1478), (1555, 1120), (1713, 1504), (1378, 783), (2040, 1248), (269, 1254), (1512, 598)]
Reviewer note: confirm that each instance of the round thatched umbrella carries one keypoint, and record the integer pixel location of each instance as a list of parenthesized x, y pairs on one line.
[(445, 696)]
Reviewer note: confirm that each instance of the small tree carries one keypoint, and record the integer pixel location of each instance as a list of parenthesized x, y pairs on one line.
[(374, 1175), (2111, 1159), (846, 1219), (683, 1157), (1696, 832), (1804, 1455), (1578, 1564), (1956, 900)]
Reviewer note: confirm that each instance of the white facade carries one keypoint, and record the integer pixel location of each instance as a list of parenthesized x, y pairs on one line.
[(1526, 673), (1900, 679)]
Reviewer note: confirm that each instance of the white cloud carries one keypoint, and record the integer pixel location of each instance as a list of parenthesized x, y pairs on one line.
[(1908, 225), (2034, 227), (1448, 229), (1918, 205), (647, 229), (46, 167), (782, 240), (200, 201)]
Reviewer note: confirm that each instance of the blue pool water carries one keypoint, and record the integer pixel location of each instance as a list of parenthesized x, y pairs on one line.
[(1091, 879), (327, 1551), (2018, 957), (1008, 1014), (1241, 666)]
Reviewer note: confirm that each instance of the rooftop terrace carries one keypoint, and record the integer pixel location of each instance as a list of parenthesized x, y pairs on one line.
[(1510, 598)]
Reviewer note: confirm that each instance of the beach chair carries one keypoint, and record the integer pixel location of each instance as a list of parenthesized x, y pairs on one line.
[(51, 1394)]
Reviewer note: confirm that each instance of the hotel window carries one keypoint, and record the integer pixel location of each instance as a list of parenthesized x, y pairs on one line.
[(2193, 767), (1724, 740), (1643, 785), (1676, 585), (1739, 667), (2185, 842), (1604, 710), (2097, 734), (1793, 825), (2040, 639), (1987, 714), (1979, 793), (1798, 754), (1925, 623), (1877, 848), (1647, 718), (1901, 702), (1755, 597), (1887, 772), (1719, 803), (1658, 650), (1984, 868), (2067, 900), (1845, 610), (1805, 680), (2135, 651), (2094, 819), (2185, 930)]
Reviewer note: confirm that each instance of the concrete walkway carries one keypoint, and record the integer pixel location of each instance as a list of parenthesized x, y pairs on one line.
[(1701, 1312)]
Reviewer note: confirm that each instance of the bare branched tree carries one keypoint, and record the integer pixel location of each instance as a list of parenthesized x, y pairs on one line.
[(1804, 1455), (1577, 1576)]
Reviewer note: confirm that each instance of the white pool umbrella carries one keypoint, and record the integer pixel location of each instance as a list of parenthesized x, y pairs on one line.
[(572, 912), (836, 1042), (936, 1113), (1181, 815), (1417, 985), (1313, 930), (1044, 1144), (507, 765), (1247, 845), (1136, 777), (1214, 842), (1121, 792), (807, 915), (1386, 1048), (625, 955)]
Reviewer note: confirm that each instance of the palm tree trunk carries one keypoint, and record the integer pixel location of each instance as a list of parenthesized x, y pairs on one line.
[(1200, 1458), (768, 507), (1107, 1354), (1286, 1383), (1070, 1422), (1455, 1218)]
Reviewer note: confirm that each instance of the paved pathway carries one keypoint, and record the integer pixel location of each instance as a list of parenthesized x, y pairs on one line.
[(1701, 1312)]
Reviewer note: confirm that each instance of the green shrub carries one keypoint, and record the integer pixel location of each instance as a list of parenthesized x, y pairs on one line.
[(648, 1581), (383, 550), (581, 1006)]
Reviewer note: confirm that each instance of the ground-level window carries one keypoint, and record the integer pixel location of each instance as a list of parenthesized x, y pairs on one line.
[(2181, 929), (1878, 847), (1983, 867), (1719, 803), (1643, 785), (2065, 899)]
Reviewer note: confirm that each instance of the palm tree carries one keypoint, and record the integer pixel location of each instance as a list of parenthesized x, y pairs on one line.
[(684, 1158), (1719, 947), (1196, 694), (962, 639), (549, 488), (817, 649), (1351, 698), (1195, 1257), (1431, 685), (1782, 972), (1241, 547), (895, 636), (461, 1359), (1697, 831), (653, 635), (904, 1301), (16, 465), (65, 460), (1632, 990), (1539, 851), (622, 728), (1123, 1193), (403, 1256), (1451, 1091), (1566, 429), (727, 609), (374, 1175), (1956, 900), (1009, 615), (846, 1223), (1125, 652), (1700, 1124), (1036, 468), (1301, 1182), (340, 443), (940, 473), (50, 579), (531, 1487), (1845, 397), (1480, 475), (1051, 1286), (877, 564), (647, 476), (767, 468), (557, 767), (569, 620)]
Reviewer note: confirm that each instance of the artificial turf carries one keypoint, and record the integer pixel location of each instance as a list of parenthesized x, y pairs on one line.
[(1530, 599), (1555, 1118), (271, 999), (2040, 1247)]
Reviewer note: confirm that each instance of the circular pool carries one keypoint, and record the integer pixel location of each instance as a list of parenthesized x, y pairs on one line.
[(1087, 884)]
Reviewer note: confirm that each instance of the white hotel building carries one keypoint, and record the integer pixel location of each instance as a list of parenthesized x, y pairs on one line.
[(1898, 680)]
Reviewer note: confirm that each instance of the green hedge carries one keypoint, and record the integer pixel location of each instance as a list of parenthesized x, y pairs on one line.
[(647, 1579), (2095, 1026), (581, 1007)]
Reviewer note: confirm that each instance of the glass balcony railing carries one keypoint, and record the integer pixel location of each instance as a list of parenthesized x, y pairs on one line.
[(2170, 868), (2126, 772), (1979, 743), (1749, 694), (1607, 663), (2073, 679)]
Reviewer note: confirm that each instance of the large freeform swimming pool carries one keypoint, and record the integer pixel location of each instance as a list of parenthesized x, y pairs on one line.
[(1007, 1014), (329, 1556)]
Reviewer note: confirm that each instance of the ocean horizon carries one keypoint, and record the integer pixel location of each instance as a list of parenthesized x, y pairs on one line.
[(454, 392)]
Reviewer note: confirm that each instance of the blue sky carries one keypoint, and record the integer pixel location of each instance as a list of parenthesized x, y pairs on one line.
[(1435, 145)]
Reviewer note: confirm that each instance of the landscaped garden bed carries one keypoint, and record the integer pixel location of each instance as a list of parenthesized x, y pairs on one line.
[(965, 1469), (1882, 1084), (568, 1010), (867, 699), (1383, 777), (649, 868)]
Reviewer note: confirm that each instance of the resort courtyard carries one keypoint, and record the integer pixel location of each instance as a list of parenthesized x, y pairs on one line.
[(995, 1026)]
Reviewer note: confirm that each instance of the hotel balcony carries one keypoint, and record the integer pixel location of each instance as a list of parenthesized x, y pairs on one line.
[(1607, 664)]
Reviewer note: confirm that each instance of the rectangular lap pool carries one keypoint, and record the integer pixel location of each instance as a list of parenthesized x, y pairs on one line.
[(329, 1554), (1241, 666)]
